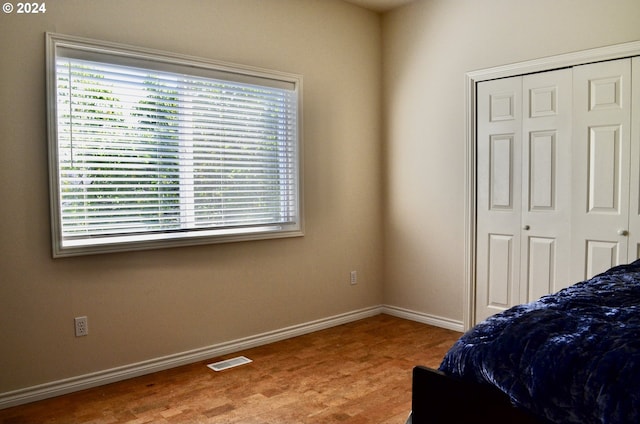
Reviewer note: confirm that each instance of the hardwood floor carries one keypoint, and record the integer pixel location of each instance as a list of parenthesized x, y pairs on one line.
[(355, 373)]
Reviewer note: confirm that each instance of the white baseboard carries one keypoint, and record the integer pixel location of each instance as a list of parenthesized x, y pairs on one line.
[(423, 318), (60, 387)]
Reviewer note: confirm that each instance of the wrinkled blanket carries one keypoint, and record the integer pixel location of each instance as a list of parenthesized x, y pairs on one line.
[(570, 357)]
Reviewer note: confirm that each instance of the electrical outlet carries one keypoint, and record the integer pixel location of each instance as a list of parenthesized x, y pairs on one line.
[(82, 326), (354, 277)]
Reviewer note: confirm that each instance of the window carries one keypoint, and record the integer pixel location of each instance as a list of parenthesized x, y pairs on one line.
[(149, 149)]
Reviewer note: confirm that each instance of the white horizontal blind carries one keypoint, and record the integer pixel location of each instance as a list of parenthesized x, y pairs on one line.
[(143, 152)]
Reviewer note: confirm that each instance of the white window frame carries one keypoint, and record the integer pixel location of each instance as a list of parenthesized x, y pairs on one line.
[(124, 55)]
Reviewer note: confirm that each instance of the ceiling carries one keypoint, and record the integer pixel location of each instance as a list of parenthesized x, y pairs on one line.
[(379, 5)]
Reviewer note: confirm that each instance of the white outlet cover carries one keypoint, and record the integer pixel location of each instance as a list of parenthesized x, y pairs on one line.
[(81, 326)]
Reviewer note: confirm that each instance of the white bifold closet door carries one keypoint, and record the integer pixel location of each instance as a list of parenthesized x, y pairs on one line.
[(605, 214), (523, 189), (558, 184)]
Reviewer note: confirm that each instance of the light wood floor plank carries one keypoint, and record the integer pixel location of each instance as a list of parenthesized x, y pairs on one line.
[(357, 373)]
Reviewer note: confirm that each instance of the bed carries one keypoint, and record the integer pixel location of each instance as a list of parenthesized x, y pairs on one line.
[(569, 357)]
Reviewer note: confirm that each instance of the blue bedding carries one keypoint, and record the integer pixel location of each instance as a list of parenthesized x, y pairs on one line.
[(570, 357)]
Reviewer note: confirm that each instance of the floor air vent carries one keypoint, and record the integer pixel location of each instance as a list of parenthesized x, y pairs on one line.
[(229, 363)]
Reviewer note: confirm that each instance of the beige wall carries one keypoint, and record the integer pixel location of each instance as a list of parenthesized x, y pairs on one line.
[(145, 305), (428, 47)]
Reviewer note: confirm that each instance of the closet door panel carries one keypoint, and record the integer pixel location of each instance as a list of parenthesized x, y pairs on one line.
[(500, 278), (498, 196), (603, 170), (546, 174), (601, 152), (602, 255), (542, 181), (501, 165), (542, 257)]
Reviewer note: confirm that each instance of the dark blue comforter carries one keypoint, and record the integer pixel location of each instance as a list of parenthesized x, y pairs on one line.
[(570, 357)]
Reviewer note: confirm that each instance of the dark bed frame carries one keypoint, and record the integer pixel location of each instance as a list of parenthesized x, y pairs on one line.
[(437, 399)]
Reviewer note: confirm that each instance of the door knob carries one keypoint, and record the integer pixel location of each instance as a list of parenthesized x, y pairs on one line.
[(526, 228), (623, 232)]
